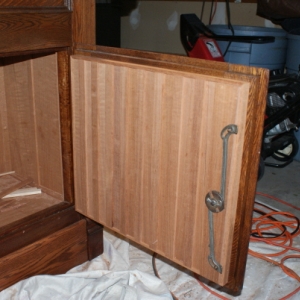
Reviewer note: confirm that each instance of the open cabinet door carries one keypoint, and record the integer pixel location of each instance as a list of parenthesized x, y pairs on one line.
[(166, 153)]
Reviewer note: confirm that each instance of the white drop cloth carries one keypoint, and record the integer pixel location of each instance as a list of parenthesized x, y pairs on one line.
[(124, 271)]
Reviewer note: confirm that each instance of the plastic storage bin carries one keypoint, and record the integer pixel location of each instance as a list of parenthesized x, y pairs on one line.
[(292, 66), (293, 54), (270, 55)]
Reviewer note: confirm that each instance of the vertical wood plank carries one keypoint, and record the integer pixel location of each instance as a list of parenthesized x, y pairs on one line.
[(87, 132), (47, 122), (94, 117), (21, 117), (188, 167), (66, 123), (169, 155), (5, 158), (104, 104), (83, 22), (132, 152), (151, 133), (116, 115), (78, 114)]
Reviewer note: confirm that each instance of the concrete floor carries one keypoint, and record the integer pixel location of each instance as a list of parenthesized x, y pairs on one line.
[(283, 183)]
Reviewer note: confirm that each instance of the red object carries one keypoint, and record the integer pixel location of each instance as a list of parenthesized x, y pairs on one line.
[(206, 48)]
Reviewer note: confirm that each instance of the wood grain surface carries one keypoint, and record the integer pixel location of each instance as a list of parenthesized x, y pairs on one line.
[(63, 64), (258, 80), (54, 254), (147, 149), (15, 187), (84, 22), (33, 3), (21, 207), (31, 140), (5, 157), (40, 30), (49, 221)]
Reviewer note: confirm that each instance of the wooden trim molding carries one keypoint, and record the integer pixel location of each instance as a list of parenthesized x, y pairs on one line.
[(40, 30), (234, 1), (54, 254), (84, 22), (33, 3), (66, 124)]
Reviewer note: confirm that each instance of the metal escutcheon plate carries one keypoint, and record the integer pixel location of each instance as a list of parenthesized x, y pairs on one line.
[(214, 201)]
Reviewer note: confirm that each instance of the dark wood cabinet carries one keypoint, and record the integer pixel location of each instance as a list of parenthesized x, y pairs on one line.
[(138, 142), (40, 233)]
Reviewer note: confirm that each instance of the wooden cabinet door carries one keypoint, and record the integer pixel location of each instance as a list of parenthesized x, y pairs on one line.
[(149, 133)]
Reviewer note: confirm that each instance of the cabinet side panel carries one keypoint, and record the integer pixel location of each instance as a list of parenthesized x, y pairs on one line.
[(147, 150), (5, 159), (47, 121), (32, 124), (21, 117)]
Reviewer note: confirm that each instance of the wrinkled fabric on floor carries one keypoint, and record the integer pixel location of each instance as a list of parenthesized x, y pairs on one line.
[(124, 271)]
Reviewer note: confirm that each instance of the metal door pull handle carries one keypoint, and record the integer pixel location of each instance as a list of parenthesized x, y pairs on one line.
[(215, 200)]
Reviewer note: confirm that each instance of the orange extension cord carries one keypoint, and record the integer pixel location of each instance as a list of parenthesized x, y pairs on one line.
[(263, 228), (263, 231)]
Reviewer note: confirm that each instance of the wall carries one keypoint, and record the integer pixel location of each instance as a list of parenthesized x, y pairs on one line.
[(154, 25)]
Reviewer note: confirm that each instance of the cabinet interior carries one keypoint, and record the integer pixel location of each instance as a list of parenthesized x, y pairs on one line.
[(30, 138)]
